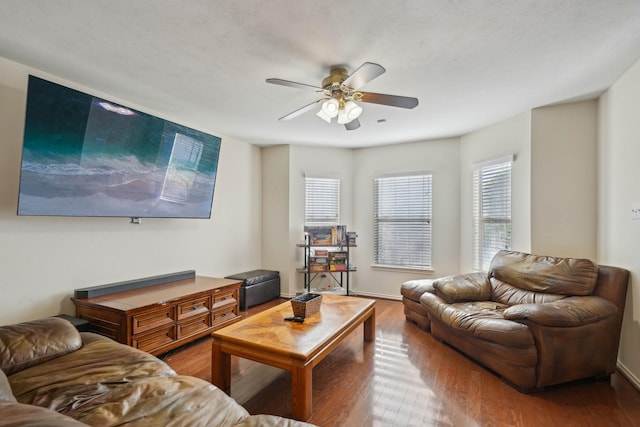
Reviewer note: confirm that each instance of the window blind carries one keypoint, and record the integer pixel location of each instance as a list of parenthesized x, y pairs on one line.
[(322, 201), (402, 221), (491, 212)]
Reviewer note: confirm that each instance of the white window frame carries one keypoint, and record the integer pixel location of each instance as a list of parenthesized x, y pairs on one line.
[(322, 200), (402, 221), (492, 224)]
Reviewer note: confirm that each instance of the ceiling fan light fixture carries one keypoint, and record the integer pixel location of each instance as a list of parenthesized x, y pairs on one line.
[(341, 92), (353, 110), (342, 117), (323, 115), (330, 107), (349, 112)]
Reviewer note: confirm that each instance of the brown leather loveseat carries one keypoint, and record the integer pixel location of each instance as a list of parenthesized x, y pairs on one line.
[(52, 375), (534, 320)]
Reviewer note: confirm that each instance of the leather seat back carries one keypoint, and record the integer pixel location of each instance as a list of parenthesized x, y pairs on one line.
[(563, 276)]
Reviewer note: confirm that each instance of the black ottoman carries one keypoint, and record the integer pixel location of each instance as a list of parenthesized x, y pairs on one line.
[(258, 286)]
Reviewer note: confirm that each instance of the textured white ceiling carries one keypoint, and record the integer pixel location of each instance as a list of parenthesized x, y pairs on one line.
[(204, 62)]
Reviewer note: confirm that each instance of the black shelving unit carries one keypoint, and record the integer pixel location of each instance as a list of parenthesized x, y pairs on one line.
[(339, 277)]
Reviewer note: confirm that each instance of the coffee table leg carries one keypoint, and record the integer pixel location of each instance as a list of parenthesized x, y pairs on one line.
[(301, 392), (220, 368), (370, 327)]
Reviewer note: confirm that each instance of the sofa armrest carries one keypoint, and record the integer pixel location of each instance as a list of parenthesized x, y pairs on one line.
[(568, 312), (463, 287), (27, 344)]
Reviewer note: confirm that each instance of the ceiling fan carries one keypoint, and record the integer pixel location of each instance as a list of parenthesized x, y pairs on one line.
[(342, 95)]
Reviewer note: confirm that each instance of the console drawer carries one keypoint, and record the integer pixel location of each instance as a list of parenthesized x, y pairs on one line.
[(223, 298), (153, 340), (153, 319), (194, 325), (224, 315), (194, 307)]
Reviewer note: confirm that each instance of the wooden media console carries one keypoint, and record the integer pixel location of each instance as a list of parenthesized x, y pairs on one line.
[(159, 317)]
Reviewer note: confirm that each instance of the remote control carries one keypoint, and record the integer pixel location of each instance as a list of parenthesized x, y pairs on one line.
[(295, 319)]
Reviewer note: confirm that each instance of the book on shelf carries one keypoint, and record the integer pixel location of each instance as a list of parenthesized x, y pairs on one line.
[(318, 264), (337, 261), (340, 235), (319, 235), (327, 234)]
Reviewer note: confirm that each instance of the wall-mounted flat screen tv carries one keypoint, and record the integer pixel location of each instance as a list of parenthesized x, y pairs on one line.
[(87, 156)]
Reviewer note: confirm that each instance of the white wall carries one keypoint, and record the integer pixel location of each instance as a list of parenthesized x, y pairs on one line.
[(564, 180), (277, 250), (619, 189), (43, 259), (506, 138), (439, 157)]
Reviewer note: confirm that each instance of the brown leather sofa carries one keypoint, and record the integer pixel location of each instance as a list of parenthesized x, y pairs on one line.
[(534, 320), (53, 375)]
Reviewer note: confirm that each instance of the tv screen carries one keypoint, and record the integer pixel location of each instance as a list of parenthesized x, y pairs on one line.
[(86, 156)]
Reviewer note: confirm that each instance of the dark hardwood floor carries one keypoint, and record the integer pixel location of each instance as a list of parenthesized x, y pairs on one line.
[(406, 378)]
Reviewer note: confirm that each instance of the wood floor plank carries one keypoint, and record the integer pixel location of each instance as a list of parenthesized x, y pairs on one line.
[(406, 378)]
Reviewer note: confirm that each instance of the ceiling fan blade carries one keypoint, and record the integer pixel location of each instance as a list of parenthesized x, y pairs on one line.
[(299, 111), (392, 100), (363, 75), (293, 84), (352, 125)]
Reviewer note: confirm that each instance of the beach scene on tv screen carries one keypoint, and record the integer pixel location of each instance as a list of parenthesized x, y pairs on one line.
[(85, 156)]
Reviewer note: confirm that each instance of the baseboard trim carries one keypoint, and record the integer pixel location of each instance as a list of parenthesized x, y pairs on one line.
[(626, 373)]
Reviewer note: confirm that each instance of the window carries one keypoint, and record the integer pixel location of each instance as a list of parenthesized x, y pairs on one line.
[(402, 221), (322, 201), (491, 211)]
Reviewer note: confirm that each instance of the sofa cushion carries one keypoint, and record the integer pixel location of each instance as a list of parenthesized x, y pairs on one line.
[(27, 344), (99, 364), (107, 383), (569, 312), (484, 320), (19, 415), (155, 401), (481, 319), (511, 295), (463, 287), (566, 276)]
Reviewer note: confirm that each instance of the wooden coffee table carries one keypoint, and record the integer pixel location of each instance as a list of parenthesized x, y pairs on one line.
[(296, 347)]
